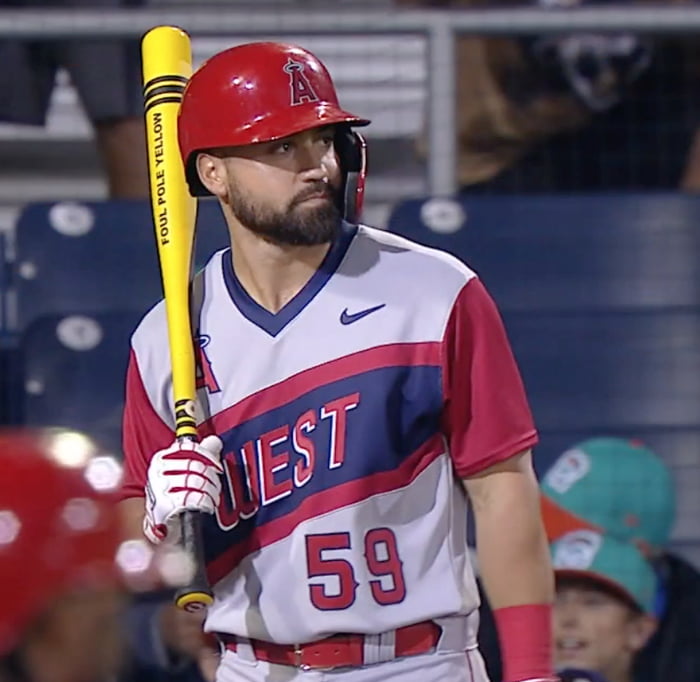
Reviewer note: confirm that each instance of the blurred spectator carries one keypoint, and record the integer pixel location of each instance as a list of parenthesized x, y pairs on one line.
[(614, 486), (584, 112), (64, 591), (59, 581), (624, 490), (603, 611), (106, 75)]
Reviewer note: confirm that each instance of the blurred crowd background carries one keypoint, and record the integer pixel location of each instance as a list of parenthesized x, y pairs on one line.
[(562, 165)]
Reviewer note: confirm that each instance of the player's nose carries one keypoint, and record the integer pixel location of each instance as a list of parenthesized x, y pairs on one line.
[(311, 163), (314, 173)]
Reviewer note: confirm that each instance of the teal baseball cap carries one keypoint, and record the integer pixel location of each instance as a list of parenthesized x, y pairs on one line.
[(619, 566), (618, 487)]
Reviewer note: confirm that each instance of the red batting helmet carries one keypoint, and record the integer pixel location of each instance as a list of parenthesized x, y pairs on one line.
[(58, 526), (260, 92)]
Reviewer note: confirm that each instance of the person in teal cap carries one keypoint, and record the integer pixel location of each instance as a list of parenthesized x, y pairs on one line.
[(624, 490), (604, 607), (611, 485)]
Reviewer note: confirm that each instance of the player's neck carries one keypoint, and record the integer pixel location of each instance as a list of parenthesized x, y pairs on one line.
[(271, 274)]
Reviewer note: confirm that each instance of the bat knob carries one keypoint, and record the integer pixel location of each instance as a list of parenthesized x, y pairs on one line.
[(192, 602)]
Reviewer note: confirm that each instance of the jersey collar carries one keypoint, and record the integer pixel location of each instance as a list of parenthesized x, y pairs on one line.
[(274, 323)]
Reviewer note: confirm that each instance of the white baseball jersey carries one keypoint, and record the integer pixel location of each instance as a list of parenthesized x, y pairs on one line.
[(348, 419)]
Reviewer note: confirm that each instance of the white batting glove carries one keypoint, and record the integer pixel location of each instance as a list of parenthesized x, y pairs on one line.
[(184, 477)]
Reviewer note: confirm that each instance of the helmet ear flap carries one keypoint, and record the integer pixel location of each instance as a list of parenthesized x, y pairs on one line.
[(352, 152)]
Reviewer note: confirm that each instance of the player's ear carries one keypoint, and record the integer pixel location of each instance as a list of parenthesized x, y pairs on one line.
[(213, 173), (640, 629)]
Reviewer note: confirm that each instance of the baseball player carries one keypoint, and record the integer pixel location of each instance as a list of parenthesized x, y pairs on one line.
[(356, 390), (59, 537)]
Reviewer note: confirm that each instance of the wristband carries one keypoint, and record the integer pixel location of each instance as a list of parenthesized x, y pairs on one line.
[(525, 635)]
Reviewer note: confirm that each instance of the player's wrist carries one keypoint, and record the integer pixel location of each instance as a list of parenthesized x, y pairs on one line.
[(525, 635)]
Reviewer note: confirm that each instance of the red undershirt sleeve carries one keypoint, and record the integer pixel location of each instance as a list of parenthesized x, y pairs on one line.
[(143, 432)]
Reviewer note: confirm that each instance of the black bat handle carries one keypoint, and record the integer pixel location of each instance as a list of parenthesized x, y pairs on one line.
[(197, 594)]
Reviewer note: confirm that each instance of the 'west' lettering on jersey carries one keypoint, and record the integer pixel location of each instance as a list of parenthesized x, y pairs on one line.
[(271, 466)]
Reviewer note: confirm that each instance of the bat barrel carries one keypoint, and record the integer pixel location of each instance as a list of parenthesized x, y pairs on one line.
[(167, 65)]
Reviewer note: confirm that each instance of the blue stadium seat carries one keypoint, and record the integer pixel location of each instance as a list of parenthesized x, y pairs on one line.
[(95, 256), (6, 349), (4, 282), (74, 370), (599, 372), (565, 253)]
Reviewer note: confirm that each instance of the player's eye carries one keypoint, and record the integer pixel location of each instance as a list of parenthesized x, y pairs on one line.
[(282, 147), (325, 135)]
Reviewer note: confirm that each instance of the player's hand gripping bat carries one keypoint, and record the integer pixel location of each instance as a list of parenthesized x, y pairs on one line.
[(167, 65)]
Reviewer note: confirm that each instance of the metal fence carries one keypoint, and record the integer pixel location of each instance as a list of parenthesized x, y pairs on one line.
[(440, 29)]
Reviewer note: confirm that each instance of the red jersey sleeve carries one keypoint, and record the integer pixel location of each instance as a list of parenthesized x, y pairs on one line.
[(143, 432), (486, 416)]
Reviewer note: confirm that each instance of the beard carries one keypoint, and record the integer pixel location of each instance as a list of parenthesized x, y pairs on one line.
[(299, 224)]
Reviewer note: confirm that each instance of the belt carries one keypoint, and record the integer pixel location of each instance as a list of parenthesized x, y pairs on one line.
[(339, 651)]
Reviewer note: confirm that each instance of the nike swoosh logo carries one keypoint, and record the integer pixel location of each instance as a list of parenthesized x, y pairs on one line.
[(349, 318)]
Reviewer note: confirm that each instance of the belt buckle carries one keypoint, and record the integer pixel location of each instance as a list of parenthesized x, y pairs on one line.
[(297, 659), (298, 651)]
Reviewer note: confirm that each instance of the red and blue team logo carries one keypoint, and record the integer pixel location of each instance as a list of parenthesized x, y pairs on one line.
[(300, 87), (205, 373)]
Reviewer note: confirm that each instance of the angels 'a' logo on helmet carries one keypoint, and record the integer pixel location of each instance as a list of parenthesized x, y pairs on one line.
[(300, 88)]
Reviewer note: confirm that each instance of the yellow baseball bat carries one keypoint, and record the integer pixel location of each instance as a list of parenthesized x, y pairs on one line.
[(167, 64)]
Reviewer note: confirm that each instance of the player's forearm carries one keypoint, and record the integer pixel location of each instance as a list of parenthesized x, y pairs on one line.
[(131, 511), (512, 550), (515, 566)]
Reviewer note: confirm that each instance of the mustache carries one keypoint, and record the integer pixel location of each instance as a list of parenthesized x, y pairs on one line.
[(317, 188)]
